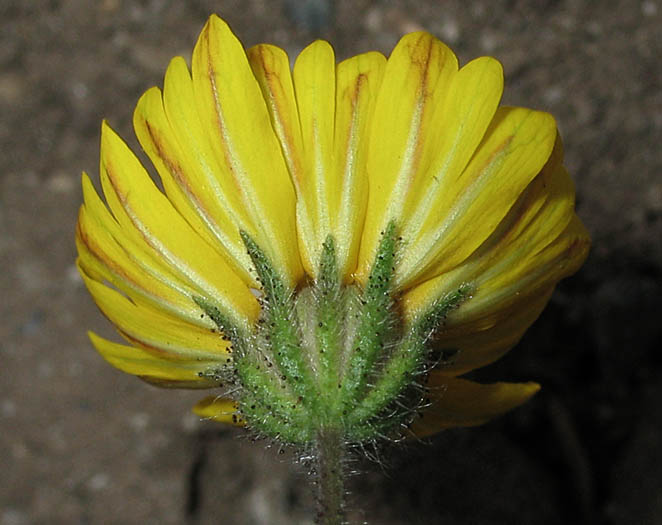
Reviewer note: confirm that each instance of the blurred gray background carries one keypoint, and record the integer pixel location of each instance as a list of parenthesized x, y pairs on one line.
[(82, 443)]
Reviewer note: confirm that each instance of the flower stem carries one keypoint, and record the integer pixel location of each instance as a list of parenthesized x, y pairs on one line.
[(330, 482)]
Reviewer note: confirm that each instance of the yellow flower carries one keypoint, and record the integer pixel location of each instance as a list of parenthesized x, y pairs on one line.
[(272, 175)]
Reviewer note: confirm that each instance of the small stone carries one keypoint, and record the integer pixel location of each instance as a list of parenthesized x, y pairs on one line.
[(649, 8), (61, 183), (450, 30), (98, 482), (73, 275), (139, 422), (373, 20)]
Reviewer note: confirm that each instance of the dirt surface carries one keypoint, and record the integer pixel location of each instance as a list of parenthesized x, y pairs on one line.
[(83, 443)]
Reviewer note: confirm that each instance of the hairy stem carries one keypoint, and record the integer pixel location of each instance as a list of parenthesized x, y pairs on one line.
[(330, 482)]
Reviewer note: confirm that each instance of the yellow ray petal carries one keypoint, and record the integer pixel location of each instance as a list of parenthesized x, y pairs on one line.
[(462, 119), (416, 81), (514, 274), (357, 82), (188, 176), (235, 120), (129, 239), (331, 193), (131, 281), (457, 402), (207, 170), (557, 260), (153, 369), (506, 260), (493, 298), (119, 255), (103, 258), (552, 262), (516, 146), (219, 409), (314, 85), (168, 336), (146, 213), (271, 68), (479, 342)]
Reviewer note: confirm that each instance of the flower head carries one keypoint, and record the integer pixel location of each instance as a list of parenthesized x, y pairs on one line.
[(334, 243)]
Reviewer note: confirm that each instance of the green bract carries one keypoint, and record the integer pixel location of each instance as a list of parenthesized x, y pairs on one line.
[(329, 357)]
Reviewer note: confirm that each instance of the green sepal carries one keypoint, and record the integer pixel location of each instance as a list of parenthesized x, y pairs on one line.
[(279, 328), (328, 357), (389, 394), (377, 325)]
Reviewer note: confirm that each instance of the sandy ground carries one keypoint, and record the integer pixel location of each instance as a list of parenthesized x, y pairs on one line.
[(83, 443)]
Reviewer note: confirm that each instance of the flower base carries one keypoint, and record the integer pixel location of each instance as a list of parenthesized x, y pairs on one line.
[(331, 356)]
